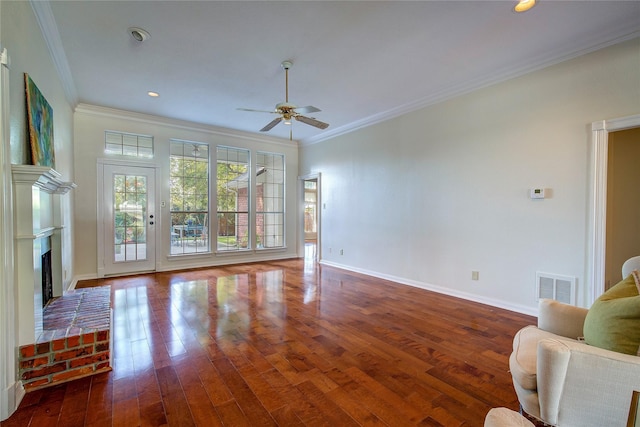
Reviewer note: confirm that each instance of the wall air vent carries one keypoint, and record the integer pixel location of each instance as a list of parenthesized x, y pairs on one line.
[(556, 287)]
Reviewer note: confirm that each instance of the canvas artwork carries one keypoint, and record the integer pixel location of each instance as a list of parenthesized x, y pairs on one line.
[(40, 118)]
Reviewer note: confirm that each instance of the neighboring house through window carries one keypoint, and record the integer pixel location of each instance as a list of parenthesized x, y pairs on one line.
[(233, 198)]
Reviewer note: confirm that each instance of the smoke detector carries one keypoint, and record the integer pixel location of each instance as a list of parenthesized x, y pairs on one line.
[(139, 34)]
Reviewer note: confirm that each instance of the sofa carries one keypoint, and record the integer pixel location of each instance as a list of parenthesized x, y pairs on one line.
[(562, 380)]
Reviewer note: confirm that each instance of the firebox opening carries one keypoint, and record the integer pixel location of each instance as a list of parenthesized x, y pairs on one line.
[(47, 278)]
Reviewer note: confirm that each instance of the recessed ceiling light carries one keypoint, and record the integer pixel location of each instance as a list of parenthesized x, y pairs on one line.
[(153, 94), (139, 34), (524, 5)]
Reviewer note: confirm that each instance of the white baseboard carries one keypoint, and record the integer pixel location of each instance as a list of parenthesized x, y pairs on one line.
[(439, 289), (76, 279), (10, 399)]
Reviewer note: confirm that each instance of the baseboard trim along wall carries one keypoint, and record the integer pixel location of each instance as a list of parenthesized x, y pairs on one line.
[(439, 289)]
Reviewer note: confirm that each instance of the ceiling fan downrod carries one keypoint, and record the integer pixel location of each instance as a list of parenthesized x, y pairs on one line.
[(286, 65)]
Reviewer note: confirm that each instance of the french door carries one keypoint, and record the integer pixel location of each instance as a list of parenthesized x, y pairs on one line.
[(128, 219)]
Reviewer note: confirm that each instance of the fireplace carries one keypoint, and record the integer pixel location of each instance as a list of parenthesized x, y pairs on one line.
[(39, 233), (60, 337)]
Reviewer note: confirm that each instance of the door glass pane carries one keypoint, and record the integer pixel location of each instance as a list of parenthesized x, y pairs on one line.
[(310, 202), (130, 217)]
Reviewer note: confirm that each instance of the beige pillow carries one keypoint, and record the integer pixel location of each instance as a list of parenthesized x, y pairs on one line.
[(613, 321)]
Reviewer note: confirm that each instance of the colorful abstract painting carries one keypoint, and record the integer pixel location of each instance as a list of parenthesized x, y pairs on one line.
[(40, 116)]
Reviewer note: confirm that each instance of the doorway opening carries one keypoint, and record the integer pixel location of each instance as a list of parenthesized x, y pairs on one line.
[(623, 200), (597, 218), (126, 218), (311, 217)]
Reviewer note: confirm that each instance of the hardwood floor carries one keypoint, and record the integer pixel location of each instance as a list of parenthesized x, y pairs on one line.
[(287, 343)]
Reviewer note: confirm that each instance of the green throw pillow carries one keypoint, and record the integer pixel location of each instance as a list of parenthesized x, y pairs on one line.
[(613, 321)]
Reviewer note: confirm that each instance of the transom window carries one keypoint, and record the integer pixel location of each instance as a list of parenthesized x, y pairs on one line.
[(128, 144)]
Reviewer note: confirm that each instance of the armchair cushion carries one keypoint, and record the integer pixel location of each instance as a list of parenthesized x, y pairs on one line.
[(561, 319), (613, 321), (523, 359)]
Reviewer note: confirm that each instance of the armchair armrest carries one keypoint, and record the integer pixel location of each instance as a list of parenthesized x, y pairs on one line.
[(561, 319), (579, 384)]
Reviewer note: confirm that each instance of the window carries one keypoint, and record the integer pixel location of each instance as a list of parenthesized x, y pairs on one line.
[(128, 144), (233, 195), (189, 197), (269, 200)]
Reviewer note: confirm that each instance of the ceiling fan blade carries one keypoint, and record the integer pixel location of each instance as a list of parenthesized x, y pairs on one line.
[(256, 111), (308, 109), (271, 124), (312, 122)]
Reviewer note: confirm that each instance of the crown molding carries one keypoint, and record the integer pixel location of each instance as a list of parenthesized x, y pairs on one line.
[(517, 70), (49, 29), (100, 111)]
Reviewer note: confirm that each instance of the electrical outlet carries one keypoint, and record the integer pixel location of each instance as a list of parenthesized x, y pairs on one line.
[(475, 275)]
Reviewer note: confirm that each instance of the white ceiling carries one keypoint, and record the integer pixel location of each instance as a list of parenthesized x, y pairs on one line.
[(358, 61)]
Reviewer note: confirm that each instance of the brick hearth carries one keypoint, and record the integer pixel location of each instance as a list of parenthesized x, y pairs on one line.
[(75, 341)]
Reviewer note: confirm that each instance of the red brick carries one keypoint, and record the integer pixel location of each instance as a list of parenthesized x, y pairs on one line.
[(73, 341), (73, 353), (32, 363), (103, 365), (63, 376), (88, 338), (103, 335), (89, 360), (43, 347), (58, 344), (102, 346), (28, 350), (47, 370)]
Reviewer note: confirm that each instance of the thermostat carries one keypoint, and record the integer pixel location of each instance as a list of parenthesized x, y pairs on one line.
[(537, 193)]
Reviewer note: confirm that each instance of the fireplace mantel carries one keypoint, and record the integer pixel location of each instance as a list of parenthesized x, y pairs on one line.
[(43, 177), (38, 215)]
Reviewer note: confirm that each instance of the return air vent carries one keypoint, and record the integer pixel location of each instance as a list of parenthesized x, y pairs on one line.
[(556, 287)]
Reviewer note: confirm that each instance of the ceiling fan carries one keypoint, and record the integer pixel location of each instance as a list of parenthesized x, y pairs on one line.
[(288, 111)]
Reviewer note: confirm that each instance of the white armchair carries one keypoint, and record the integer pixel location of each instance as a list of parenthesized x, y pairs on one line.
[(563, 381)]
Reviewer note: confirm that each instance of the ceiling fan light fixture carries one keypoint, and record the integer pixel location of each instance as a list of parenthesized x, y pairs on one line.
[(138, 34), (524, 5), (287, 112)]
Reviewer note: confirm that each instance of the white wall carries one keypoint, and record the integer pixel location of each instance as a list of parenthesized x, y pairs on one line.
[(28, 52), (90, 125), (428, 197)]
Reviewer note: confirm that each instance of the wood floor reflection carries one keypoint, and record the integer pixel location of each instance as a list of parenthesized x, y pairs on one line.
[(287, 343)]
